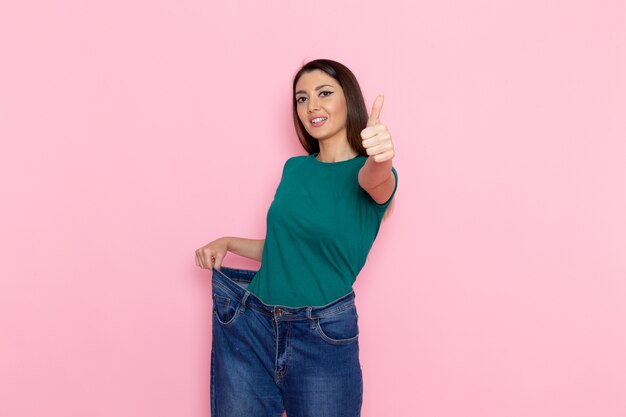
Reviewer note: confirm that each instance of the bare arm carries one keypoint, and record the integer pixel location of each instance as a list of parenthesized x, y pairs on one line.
[(214, 252), (376, 176), (248, 248), (377, 179)]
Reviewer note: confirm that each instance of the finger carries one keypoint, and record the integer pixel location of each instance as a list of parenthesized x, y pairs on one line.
[(199, 259), (368, 132), (384, 156), (210, 260), (372, 141), (205, 258), (376, 108), (377, 149), (218, 260), (202, 262)]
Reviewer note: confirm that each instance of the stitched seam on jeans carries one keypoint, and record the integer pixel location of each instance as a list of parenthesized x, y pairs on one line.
[(336, 310), (225, 288), (325, 314), (221, 299), (313, 316), (229, 322), (248, 273), (330, 339), (277, 332), (287, 348), (265, 313)]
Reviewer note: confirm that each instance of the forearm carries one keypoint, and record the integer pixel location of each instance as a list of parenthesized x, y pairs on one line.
[(375, 173), (248, 248)]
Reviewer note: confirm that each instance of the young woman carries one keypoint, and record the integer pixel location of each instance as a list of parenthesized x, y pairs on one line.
[(285, 337)]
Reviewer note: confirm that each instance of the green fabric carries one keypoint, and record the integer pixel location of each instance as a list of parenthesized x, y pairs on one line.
[(320, 228)]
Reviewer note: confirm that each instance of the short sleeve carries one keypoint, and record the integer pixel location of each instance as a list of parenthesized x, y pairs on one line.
[(282, 176), (289, 165), (386, 203)]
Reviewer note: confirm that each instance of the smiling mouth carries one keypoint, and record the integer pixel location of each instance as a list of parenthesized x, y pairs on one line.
[(318, 121)]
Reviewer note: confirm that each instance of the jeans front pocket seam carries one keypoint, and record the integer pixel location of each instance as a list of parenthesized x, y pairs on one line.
[(330, 340), (226, 302)]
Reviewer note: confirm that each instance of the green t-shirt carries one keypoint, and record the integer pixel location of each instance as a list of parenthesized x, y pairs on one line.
[(320, 228)]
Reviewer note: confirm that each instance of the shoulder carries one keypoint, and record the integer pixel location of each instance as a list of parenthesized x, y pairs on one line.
[(296, 160), (293, 162)]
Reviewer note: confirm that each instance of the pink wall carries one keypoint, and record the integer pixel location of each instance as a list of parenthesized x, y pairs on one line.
[(134, 132)]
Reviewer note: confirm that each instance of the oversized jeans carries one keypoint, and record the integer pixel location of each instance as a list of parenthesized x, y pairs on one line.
[(266, 359)]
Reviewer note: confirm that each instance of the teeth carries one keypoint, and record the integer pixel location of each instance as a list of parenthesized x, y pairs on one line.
[(319, 119)]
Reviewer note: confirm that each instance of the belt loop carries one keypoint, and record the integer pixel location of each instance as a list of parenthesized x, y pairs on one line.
[(243, 301), (308, 316)]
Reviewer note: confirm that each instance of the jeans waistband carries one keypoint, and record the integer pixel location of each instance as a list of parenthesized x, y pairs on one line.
[(228, 279)]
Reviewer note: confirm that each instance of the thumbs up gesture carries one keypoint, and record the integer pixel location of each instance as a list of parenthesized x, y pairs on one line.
[(376, 138)]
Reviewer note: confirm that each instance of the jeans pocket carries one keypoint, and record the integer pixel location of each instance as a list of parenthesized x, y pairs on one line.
[(339, 328), (225, 307)]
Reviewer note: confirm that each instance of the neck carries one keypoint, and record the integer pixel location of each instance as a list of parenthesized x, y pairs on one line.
[(335, 151)]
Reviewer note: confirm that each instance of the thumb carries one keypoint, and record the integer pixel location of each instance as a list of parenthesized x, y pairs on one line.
[(376, 108)]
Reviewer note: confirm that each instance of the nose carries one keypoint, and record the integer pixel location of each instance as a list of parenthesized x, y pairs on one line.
[(312, 105)]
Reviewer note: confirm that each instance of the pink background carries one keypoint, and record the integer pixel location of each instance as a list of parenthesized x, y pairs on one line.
[(134, 132)]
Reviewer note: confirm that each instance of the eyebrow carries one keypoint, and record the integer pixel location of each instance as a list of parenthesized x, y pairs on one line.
[(316, 88)]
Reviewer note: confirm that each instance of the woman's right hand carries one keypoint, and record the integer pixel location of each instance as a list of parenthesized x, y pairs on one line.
[(212, 253)]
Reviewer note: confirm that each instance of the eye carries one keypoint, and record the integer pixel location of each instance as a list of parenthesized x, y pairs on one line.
[(329, 93), (298, 100)]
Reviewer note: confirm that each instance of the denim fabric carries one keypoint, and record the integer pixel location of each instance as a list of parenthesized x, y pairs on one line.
[(266, 359)]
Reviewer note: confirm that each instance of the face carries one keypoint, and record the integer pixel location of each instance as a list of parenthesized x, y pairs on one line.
[(318, 95)]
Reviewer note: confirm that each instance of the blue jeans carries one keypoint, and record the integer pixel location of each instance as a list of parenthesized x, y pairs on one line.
[(266, 359)]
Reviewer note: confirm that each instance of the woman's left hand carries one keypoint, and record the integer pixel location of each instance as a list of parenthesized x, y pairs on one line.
[(376, 138)]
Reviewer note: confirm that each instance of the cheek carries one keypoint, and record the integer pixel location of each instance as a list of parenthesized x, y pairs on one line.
[(342, 112), (341, 109), (301, 115)]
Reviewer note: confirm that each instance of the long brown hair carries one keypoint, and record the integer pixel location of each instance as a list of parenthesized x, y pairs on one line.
[(355, 104)]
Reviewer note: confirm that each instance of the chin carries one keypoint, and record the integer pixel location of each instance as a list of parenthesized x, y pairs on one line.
[(313, 136)]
